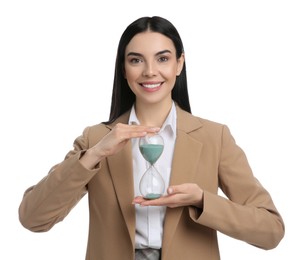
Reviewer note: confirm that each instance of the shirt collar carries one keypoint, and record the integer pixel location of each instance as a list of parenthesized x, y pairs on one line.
[(169, 124)]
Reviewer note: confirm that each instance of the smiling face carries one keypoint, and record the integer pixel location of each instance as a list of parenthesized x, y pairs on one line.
[(151, 67)]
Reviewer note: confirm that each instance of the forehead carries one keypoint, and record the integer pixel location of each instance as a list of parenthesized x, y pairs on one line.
[(150, 42)]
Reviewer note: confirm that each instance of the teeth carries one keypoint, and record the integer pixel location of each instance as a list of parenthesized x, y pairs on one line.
[(151, 85)]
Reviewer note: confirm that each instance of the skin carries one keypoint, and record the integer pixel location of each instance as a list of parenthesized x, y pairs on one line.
[(151, 68), (150, 59)]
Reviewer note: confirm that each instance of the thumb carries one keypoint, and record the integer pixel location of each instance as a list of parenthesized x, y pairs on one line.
[(176, 189), (171, 190)]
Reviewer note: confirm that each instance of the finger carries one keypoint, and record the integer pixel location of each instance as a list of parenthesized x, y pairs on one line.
[(143, 202), (133, 131), (174, 189), (138, 200), (149, 129), (182, 188), (162, 201)]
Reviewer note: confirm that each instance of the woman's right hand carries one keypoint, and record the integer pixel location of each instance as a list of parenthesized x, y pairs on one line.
[(114, 141)]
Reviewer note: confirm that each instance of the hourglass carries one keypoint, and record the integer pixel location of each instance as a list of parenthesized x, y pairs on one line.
[(151, 184)]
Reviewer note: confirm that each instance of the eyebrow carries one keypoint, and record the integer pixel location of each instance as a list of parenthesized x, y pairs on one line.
[(140, 55)]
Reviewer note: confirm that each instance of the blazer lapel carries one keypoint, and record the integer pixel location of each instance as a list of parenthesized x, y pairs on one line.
[(186, 154), (121, 170)]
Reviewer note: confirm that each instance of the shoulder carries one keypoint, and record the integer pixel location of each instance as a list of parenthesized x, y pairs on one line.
[(97, 129), (189, 122), (203, 129), (95, 132), (210, 125)]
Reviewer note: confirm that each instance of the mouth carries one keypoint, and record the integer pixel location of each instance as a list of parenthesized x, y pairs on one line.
[(151, 86)]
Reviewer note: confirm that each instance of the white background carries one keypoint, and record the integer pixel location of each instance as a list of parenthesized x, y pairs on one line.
[(56, 73)]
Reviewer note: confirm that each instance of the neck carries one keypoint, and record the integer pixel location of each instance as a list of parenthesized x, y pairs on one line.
[(152, 114)]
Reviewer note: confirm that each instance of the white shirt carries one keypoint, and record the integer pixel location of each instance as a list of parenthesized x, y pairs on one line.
[(149, 220)]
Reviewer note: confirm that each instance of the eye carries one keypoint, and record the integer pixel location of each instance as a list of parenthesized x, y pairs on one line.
[(135, 60), (163, 59)]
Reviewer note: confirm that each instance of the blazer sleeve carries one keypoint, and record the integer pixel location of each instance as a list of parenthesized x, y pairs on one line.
[(49, 201), (248, 213)]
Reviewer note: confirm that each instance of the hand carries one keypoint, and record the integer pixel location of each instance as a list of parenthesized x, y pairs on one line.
[(187, 194), (114, 141)]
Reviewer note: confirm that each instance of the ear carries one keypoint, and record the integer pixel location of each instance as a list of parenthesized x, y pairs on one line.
[(180, 64)]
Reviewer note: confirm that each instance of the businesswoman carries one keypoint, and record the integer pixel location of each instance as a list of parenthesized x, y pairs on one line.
[(200, 156)]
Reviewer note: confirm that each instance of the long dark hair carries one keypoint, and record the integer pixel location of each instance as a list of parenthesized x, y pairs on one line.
[(122, 96)]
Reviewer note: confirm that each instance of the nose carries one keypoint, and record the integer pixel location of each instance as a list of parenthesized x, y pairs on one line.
[(150, 69)]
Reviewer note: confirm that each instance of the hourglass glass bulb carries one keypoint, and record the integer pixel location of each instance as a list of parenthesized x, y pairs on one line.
[(151, 184)]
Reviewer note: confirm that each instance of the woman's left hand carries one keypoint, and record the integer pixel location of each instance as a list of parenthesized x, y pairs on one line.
[(187, 194)]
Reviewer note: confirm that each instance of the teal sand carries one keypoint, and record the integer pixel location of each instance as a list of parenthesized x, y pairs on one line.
[(151, 152), (152, 196)]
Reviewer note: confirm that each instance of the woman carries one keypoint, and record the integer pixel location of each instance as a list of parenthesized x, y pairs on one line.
[(149, 96)]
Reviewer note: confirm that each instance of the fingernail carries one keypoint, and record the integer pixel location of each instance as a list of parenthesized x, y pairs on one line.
[(155, 129)]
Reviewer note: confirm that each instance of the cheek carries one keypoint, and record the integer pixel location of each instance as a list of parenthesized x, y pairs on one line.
[(171, 72), (130, 74), (130, 77)]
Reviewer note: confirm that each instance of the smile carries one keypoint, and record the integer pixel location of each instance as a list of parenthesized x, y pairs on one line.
[(151, 85)]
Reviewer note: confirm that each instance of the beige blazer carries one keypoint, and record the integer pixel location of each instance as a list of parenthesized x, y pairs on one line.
[(205, 153)]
